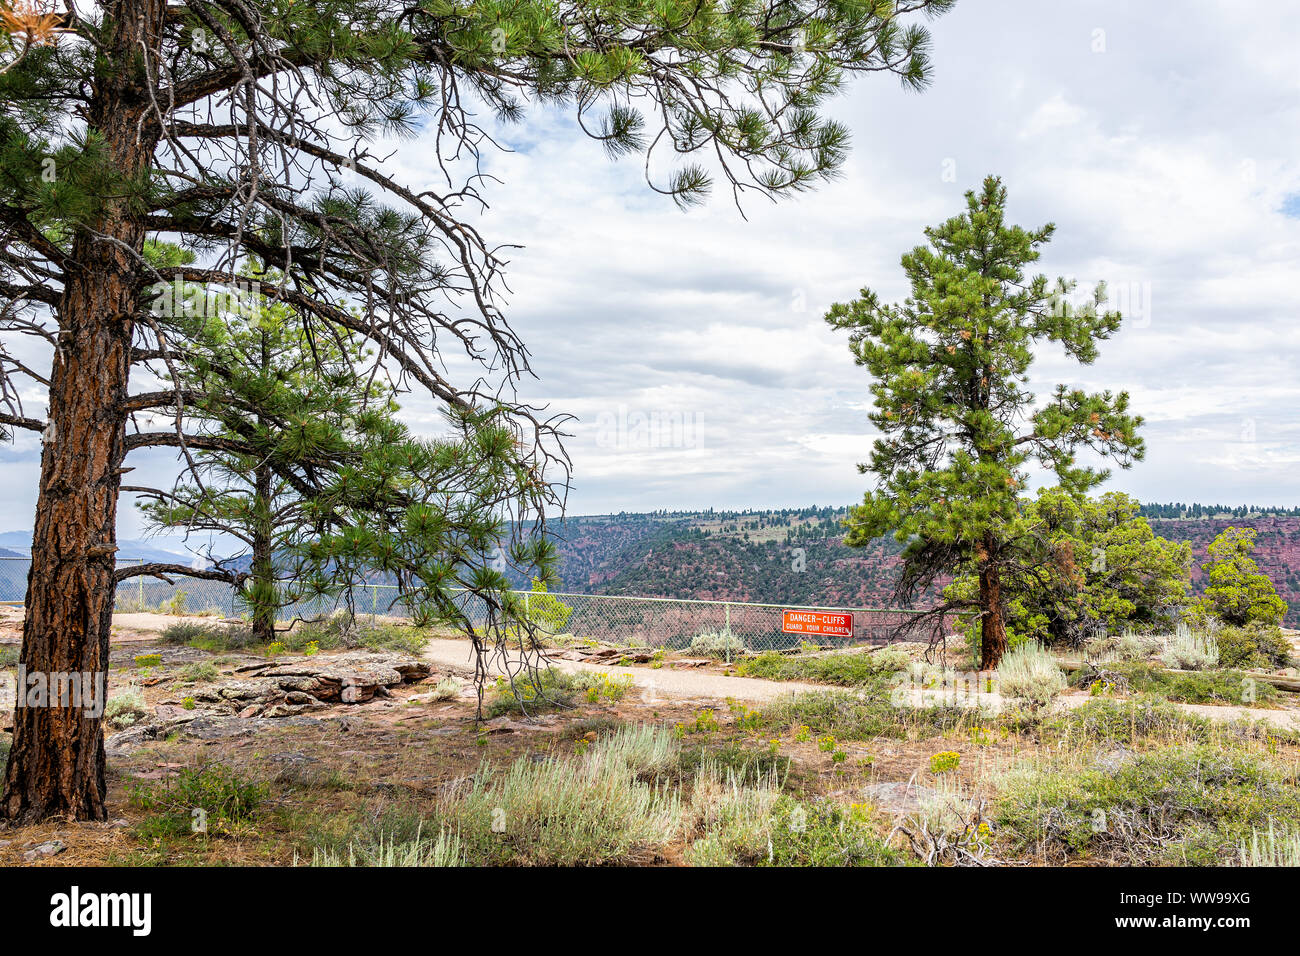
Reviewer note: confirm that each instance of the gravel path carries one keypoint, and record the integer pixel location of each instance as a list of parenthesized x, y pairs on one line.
[(691, 685), (665, 681)]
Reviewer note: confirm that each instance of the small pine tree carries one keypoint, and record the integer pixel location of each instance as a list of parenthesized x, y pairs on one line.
[(1237, 592), (958, 428), (283, 417)]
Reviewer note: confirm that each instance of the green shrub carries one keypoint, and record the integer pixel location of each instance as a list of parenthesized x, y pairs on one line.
[(560, 812), (448, 688), (735, 757), (862, 716), (392, 637), (125, 709), (1190, 650), (1124, 722), (595, 686), (826, 834), (547, 612), (1134, 647), (733, 813), (944, 761), (9, 655), (225, 802), (386, 849), (1255, 646), (846, 670), (342, 630), (1236, 591), (1272, 848), (198, 673), (717, 644), (174, 605), (549, 689), (1179, 804), (1029, 672), (209, 637), (1198, 687), (645, 750)]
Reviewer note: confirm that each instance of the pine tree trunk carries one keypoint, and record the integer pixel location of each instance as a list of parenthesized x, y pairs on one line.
[(56, 764), (263, 570), (993, 631)]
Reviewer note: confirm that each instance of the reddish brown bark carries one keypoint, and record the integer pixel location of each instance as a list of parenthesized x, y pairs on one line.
[(56, 765), (993, 629)]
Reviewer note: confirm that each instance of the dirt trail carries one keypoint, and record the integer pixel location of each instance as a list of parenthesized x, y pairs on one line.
[(688, 685), (665, 681)]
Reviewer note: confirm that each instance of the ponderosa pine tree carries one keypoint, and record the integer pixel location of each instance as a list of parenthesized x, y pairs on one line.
[(232, 127), (957, 425), (289, 413)]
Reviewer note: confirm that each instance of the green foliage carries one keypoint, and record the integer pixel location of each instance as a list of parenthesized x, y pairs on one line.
[(704, 722), (209, 637), (827, 834), (944, 761), (1272, 847), (863, 715), (597, 687), (9, 655), (1179, 804), (289, 412), (387, 849), (125, 709), (1102, 570), (1129, 723), (343, 630), (1190, 650), (548, 689), (1030, 673), (718, 644), (1199, 687), (560, 812), (227, 802), (547, 612), (1237, 592), (198, 673), (1255, 646), (958, 428), (847, 670)]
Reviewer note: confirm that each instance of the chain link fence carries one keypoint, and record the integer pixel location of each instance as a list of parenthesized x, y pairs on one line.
[(668, 623)]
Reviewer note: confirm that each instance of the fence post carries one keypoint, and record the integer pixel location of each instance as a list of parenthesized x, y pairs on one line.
[(726, 640), (374, 600), (140, 578)]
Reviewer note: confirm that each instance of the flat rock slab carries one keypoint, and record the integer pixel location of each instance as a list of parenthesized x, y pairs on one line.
[(200, 727), (283, 688)]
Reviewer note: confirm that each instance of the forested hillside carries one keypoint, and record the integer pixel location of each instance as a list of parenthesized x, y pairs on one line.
[(753, 555)]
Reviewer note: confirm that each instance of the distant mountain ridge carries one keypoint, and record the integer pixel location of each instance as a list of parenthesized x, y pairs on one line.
[(753, 556), (161, 549), (784, 556)]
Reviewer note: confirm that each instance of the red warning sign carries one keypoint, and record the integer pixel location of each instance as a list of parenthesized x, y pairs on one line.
[(817, 622)]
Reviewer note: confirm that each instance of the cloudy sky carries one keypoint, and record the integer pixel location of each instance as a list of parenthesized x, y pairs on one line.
[(1163, 146)]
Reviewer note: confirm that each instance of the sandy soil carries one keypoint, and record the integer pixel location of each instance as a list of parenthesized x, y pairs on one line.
[(665, 681)]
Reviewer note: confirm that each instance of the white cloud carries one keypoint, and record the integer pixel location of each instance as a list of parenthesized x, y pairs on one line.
[(1162, 160)]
